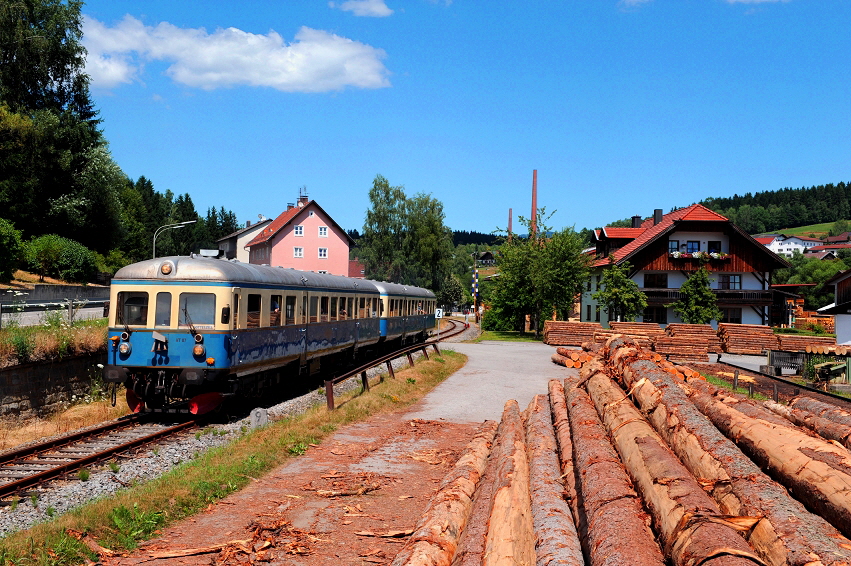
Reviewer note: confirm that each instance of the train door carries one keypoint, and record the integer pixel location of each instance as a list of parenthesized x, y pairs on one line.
[(302, 320)]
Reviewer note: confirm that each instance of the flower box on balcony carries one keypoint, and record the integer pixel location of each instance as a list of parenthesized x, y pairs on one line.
[(700, 255)]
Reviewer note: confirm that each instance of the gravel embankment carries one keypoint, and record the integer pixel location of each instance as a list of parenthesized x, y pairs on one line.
[(60, 497)]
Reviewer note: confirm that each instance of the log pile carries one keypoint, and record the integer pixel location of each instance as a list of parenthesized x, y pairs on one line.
[(602, 336), (689, 348), (798, 343), (639, 461), (563, 333), (824, 349), (571, 358), (698, 331), (649, 329), (748, 339)]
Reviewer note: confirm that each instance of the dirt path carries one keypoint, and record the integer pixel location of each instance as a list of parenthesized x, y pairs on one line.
[(400, 460)]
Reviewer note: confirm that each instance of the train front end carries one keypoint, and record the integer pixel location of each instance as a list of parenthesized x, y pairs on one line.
[(169, 336)]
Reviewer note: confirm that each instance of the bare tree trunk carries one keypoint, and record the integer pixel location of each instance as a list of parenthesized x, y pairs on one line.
[(435, 537), (688, 520), (610, 503), (817, 472), (825, 428), (787, 533), (556, 538)]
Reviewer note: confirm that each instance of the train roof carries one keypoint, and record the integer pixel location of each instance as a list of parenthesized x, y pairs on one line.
[(407, 290), (204, 269)]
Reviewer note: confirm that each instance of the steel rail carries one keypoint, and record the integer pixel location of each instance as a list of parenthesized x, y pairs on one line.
[(387, 359), (58, 471), (845, 400)]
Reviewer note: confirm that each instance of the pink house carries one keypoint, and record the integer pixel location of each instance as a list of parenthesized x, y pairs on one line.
[(303, 237)]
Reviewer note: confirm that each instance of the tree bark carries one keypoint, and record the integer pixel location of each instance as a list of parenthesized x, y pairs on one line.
[(825, 428), (787, 532), (436, 536), (817, 472), (511, 538), (610, 503), (561, 424), (824, 410), (688, 520), (556, 539)]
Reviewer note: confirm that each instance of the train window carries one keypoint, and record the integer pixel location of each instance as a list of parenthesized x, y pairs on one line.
[(132, 308), (163, 314), (302, 316), (253, 311), (351, 301), (323, 309), (362, 308), (380, 308), (275, 311), (314, 307), (373, 310), (197, 309), (289, 313), (344, 314), (236, 310), (333, 308)]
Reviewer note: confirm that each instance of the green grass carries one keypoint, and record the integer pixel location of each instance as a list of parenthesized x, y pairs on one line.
[(819, 230), (801, 332), (509, 336), (139, 512), (717, 381)]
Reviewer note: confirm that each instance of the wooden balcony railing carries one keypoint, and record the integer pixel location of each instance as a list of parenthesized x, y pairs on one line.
[(724, 296)]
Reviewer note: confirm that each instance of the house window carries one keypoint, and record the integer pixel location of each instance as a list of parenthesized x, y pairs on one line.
[(323, 231), (588, 313), (323, 253), (658, 315), (713, 247), (310, 213), (692, 246), (298, 252), (298, 230), (673, 246), (730, 282), (732, 315), (655, 280)]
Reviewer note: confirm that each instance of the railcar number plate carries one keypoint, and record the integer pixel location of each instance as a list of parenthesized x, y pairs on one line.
[(438, 313)]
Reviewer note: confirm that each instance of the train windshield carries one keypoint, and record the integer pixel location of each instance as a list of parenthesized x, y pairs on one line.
[(132, 308), (197, 309)]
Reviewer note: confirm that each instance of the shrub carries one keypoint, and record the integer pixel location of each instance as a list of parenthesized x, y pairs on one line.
[(11, 250), (54, 256)]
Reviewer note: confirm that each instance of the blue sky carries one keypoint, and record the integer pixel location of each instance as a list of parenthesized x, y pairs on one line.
[(621, 106)]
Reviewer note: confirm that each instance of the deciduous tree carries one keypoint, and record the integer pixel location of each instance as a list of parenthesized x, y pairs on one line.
[(620, 295), (697, 303)]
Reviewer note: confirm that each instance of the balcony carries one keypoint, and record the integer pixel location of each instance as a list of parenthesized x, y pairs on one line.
[(711, 256), (754, 297)]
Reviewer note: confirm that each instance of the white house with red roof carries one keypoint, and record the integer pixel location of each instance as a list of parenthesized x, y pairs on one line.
[(303, 237), (788, 245), (665, 249)]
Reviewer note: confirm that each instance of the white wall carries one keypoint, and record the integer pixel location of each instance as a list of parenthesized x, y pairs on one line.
[(843, 328)]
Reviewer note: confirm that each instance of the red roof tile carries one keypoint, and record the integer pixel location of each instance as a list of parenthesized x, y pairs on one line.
[(282, 220), (828, 247), (619, 232), (693, 212), (764, 241)]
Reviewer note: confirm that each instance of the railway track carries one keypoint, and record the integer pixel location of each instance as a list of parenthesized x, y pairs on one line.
[(38, 463)]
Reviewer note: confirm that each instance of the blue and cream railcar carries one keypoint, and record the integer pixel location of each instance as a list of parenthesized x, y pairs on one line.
[(407, 313), (196, 328)]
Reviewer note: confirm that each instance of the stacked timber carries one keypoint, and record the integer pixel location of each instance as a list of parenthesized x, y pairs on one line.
[(748, 339), (637, 328), (797, 343), (571, 358), (785, 533), (692, 348), (603, 336), (563, 333), (834, 350), (702, 332)]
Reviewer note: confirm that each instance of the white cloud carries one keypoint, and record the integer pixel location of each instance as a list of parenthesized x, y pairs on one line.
[(316, 61), (369, 8)]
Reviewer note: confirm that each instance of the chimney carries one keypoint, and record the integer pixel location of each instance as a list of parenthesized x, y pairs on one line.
[(657, 216), (636, 221), (533, 226), (290, 205), (248, 223), (509, 220)]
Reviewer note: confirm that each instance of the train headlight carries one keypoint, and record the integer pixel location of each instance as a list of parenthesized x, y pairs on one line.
[(198, 350), (124, 348), (199, 338)]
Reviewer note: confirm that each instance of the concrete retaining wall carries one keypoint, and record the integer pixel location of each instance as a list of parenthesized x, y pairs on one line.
[(38, 389), (58, 293)]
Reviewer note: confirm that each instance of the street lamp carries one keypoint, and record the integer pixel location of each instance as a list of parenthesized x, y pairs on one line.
[(169, 227)]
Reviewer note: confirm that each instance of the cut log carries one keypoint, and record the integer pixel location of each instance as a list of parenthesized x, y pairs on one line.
[(436, 535), (563, 333), (510, 538), (787, 532), (825, 428), (556, 539), (688, 520), (611, 504), (821, 409), (816, 471), (558, 406)]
